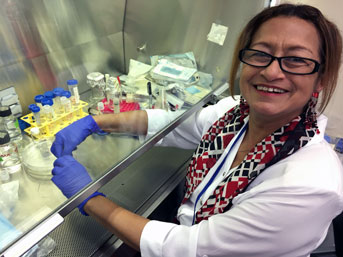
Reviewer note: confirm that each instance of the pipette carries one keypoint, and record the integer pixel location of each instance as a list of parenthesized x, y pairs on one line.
[(150, 94)]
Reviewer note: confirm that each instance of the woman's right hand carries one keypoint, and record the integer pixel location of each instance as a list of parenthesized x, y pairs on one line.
[(70, 137)]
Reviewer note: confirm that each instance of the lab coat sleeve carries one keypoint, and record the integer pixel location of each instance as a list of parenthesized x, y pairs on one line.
[(279, 222), (189, 133)]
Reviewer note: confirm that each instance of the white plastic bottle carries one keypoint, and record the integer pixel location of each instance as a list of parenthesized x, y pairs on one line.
[(9, 157)]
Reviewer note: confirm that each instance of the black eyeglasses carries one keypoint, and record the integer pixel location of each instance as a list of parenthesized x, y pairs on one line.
[(291, 64)]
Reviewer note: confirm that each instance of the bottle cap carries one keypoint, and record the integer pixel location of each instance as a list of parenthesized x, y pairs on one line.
[(72, 82), (4, 137), (339, 145), (39, 98), (31, 106), (95, 76), (34, 131), (101, 106), (34, 108), (57, 91), (66, 94), (49, 94), (47, 101), (5, 111)]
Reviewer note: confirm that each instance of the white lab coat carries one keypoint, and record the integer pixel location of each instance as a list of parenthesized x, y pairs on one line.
[(285, 211)]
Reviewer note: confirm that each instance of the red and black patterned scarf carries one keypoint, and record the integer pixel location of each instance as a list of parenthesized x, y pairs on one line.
[(275, 147)]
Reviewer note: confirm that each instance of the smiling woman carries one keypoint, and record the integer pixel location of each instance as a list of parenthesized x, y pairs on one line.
[(282, 36), (261, 170)]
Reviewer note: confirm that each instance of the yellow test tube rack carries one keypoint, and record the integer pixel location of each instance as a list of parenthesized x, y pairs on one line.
[(48, 128)]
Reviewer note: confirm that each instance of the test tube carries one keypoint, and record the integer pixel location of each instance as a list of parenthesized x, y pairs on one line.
[(57, 99), (161, 101), (101, 107), (66, 104), (49, 114), (114, 101), (129, 97), (74, 90), (36, 113), (48, 109), (110, 96), (116, 105)]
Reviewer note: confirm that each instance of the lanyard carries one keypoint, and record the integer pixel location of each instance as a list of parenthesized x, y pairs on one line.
[(217, 170)]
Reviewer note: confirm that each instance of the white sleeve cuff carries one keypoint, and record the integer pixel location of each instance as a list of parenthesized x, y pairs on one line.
[(158, 119), (153, 236)]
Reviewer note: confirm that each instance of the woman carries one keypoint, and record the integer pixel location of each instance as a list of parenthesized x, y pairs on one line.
[(263, 181)]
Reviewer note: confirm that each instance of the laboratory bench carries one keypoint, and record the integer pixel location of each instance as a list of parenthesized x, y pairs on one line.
[(128, 169)]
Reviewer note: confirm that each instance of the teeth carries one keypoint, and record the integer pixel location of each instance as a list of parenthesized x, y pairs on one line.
[(270, 89)]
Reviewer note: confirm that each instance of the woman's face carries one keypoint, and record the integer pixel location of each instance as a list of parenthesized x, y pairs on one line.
[(281, 36)]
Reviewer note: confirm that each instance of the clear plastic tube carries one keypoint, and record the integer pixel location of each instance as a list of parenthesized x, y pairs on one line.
[(36, 113), (48, 112), (74, 90), (101, 107), (67, 108), (57, 99)]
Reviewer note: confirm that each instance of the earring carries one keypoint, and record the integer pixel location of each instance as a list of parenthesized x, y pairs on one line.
[(243, 107), (311, 114)]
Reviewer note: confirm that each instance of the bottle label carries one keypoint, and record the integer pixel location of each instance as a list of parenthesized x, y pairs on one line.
[(76, 94), (16, 123)]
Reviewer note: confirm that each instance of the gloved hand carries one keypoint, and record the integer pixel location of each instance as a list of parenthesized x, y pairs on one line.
[(69, 175), (70, 137)]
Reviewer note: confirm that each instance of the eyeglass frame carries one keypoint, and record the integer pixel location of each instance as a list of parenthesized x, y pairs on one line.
[(279, 59)]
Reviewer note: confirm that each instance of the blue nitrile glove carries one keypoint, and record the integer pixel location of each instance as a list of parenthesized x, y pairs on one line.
[(70, 137), (69, 175), (86, 200)]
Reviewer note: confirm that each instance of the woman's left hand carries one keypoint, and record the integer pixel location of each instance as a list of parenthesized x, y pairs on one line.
[(69, 175)]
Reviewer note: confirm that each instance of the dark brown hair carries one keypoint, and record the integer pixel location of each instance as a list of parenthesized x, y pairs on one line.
[(330, 43)]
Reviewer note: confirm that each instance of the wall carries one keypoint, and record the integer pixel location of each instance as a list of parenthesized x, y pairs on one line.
[(332, 9), (43, 43)]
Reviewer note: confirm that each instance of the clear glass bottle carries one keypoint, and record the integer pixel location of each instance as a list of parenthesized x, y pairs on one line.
[(9, 157), (10, 124), (96, 81)]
